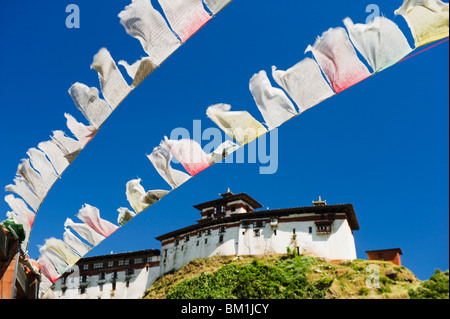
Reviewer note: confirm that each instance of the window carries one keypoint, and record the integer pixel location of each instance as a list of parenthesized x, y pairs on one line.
[(177, 242), (127, 262), (199, 234), (110, 263), (233, 208), (121, 262), (221, 239), (222, 209), (129, 272), (293, 231), (310, 230), (138, 261), (206, 240), (198, 243), (222, 229), (259, 224), (186, 239), (98, 265), (246, 225), (257, 232), (275, 232), (323, 228), (85, 267), (208, 232), (149, 259), (102, 276), (83, 278)]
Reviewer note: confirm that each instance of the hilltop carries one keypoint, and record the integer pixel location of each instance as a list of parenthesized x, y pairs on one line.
[(286, 277)]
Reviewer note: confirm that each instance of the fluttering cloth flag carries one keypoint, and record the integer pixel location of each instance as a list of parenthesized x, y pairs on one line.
[(185, 16), (380, 42), (47, 269), (33, 179), (125, 215), (161, 158), (146, 24), (189, 153), (239, 125), (60, 264), (273, 103), (139, 199), (21, 188), (215, 6), (74, 243), (21, 215), (222, 151), (55, 155), (70, 147), (91, 216), (304, 83), (41, 164), (427, 19), (113, 86), (62, 250), (83, 133), (338, 59), (85, 232), (139, 70), (87, 100)]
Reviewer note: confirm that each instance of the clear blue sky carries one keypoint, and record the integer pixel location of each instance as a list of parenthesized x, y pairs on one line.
[(381, 145)]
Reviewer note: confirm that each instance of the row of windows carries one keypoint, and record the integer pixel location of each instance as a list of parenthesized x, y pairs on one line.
[(123, 262)]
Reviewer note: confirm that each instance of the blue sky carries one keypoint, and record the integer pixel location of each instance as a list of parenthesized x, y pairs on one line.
[(382, 145)]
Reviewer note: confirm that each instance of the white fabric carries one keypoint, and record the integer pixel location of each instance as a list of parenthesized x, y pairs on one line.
[(338, 59), (139, 70), (125, 215), (380, 42), (83, 133), (62, 250), (85, 232), (189, 153), (216, 5), (34, 180), (427, 19), (223, 151), (76, 244), (154, 196), (239, 125), (185, 16), (22, 215), (55, 155), (134, 192), (147, 25), (161, 158), (21, 188), (114, 87), (49, 272), (87, 100), (70, 147), (43, 166), (91, 216), (274, 105), (304, 83)]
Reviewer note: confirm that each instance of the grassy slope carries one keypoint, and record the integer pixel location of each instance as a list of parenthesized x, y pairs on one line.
[(280, 277)]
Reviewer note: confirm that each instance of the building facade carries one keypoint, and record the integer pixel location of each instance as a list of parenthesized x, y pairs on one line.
[(392, 255), (231, 226), (117, 276)]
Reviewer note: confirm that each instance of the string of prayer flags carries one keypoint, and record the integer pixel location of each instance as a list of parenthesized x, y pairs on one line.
[(139, 70), (215, 6), (55, 155), (113, 86), (85, 232), (161, 158), (304, 83), (239, 125), (21, 188), (21, 215), (189, 153), (222, 151), (48, 270), (427, 19), (338, 59), (380, 42), (83, 133), (147, 25), (59, 264), (185, 16), (91, 216), (274, 105)]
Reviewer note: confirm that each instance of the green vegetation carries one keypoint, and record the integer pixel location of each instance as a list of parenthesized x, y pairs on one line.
[(293, 277), (436, 287)]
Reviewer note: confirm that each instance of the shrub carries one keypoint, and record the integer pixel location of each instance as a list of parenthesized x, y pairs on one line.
[(363, 291), (437, 287)]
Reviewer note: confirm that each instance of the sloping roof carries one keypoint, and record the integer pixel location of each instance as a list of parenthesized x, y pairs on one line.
[(329, 209), (230, 197), (385, 250)]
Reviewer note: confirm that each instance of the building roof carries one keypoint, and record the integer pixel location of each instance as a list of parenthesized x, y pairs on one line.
[(153, 252), (329, 209), (385, 250), (230, 197)]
